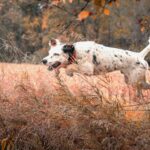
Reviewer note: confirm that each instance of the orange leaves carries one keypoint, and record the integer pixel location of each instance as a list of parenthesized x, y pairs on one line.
[(142, 29), (110, 3), (135, 115), (103, 3), (117, 3), (56, 2), (144, 23), (106, 11), (44, 22), (84, 14), (100, 5), (45, 19)]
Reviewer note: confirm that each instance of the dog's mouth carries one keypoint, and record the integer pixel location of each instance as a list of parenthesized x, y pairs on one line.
[(54, 66)]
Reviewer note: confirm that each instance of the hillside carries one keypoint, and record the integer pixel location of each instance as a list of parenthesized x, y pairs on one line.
[(40, 111)]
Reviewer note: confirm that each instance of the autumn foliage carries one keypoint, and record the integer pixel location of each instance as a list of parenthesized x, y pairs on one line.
[(42, 111), (26, 26)]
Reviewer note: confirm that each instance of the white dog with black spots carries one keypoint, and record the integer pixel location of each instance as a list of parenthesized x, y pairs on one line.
[(90, 58)]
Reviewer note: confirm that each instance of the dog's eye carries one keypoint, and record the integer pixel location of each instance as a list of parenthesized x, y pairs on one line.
[(55, 54)]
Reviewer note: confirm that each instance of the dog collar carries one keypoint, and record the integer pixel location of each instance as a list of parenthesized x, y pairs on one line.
[(72, 57)]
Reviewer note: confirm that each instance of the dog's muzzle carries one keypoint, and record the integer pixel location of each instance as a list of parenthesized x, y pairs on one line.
[(54, 66)]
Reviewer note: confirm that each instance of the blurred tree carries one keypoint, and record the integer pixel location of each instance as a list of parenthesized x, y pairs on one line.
[(31, 23)]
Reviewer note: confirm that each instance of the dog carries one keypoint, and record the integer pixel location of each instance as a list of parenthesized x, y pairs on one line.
[(90, 58)]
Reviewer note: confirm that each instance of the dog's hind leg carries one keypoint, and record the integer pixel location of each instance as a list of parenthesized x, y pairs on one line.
[(144, 85), (71, 69), (137, 78)]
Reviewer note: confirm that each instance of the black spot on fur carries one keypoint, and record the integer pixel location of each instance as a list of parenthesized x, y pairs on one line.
[(116, 55), (127, 53), (138, 63), (95, 60), (88, 51), (68, 49), (56, 54), (121, 60)]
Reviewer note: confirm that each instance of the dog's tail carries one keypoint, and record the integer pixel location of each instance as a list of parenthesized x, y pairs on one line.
[(146, 50)]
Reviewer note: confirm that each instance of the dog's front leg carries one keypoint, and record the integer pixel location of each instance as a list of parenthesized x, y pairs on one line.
[(86, 68), (71, 69)]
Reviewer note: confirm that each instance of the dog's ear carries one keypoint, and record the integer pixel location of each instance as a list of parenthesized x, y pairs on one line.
[(68, 49), (54, 42)]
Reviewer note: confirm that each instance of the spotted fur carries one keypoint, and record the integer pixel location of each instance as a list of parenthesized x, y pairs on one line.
[(95, 59)]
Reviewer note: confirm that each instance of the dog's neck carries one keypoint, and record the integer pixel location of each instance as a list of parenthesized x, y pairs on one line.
[(72, 57)]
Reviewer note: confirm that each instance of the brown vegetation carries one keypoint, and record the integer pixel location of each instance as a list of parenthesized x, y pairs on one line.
[(41, 111), (27, 25)]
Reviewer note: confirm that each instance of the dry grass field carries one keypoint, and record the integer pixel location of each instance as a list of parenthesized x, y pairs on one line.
[(42, 111)]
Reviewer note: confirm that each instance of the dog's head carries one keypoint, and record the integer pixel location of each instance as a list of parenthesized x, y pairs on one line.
[(59, 54)]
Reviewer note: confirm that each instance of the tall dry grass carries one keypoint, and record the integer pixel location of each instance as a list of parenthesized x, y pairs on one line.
[(38, 111)]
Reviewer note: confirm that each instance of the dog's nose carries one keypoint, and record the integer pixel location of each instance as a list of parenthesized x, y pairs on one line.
[(44, 61)]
